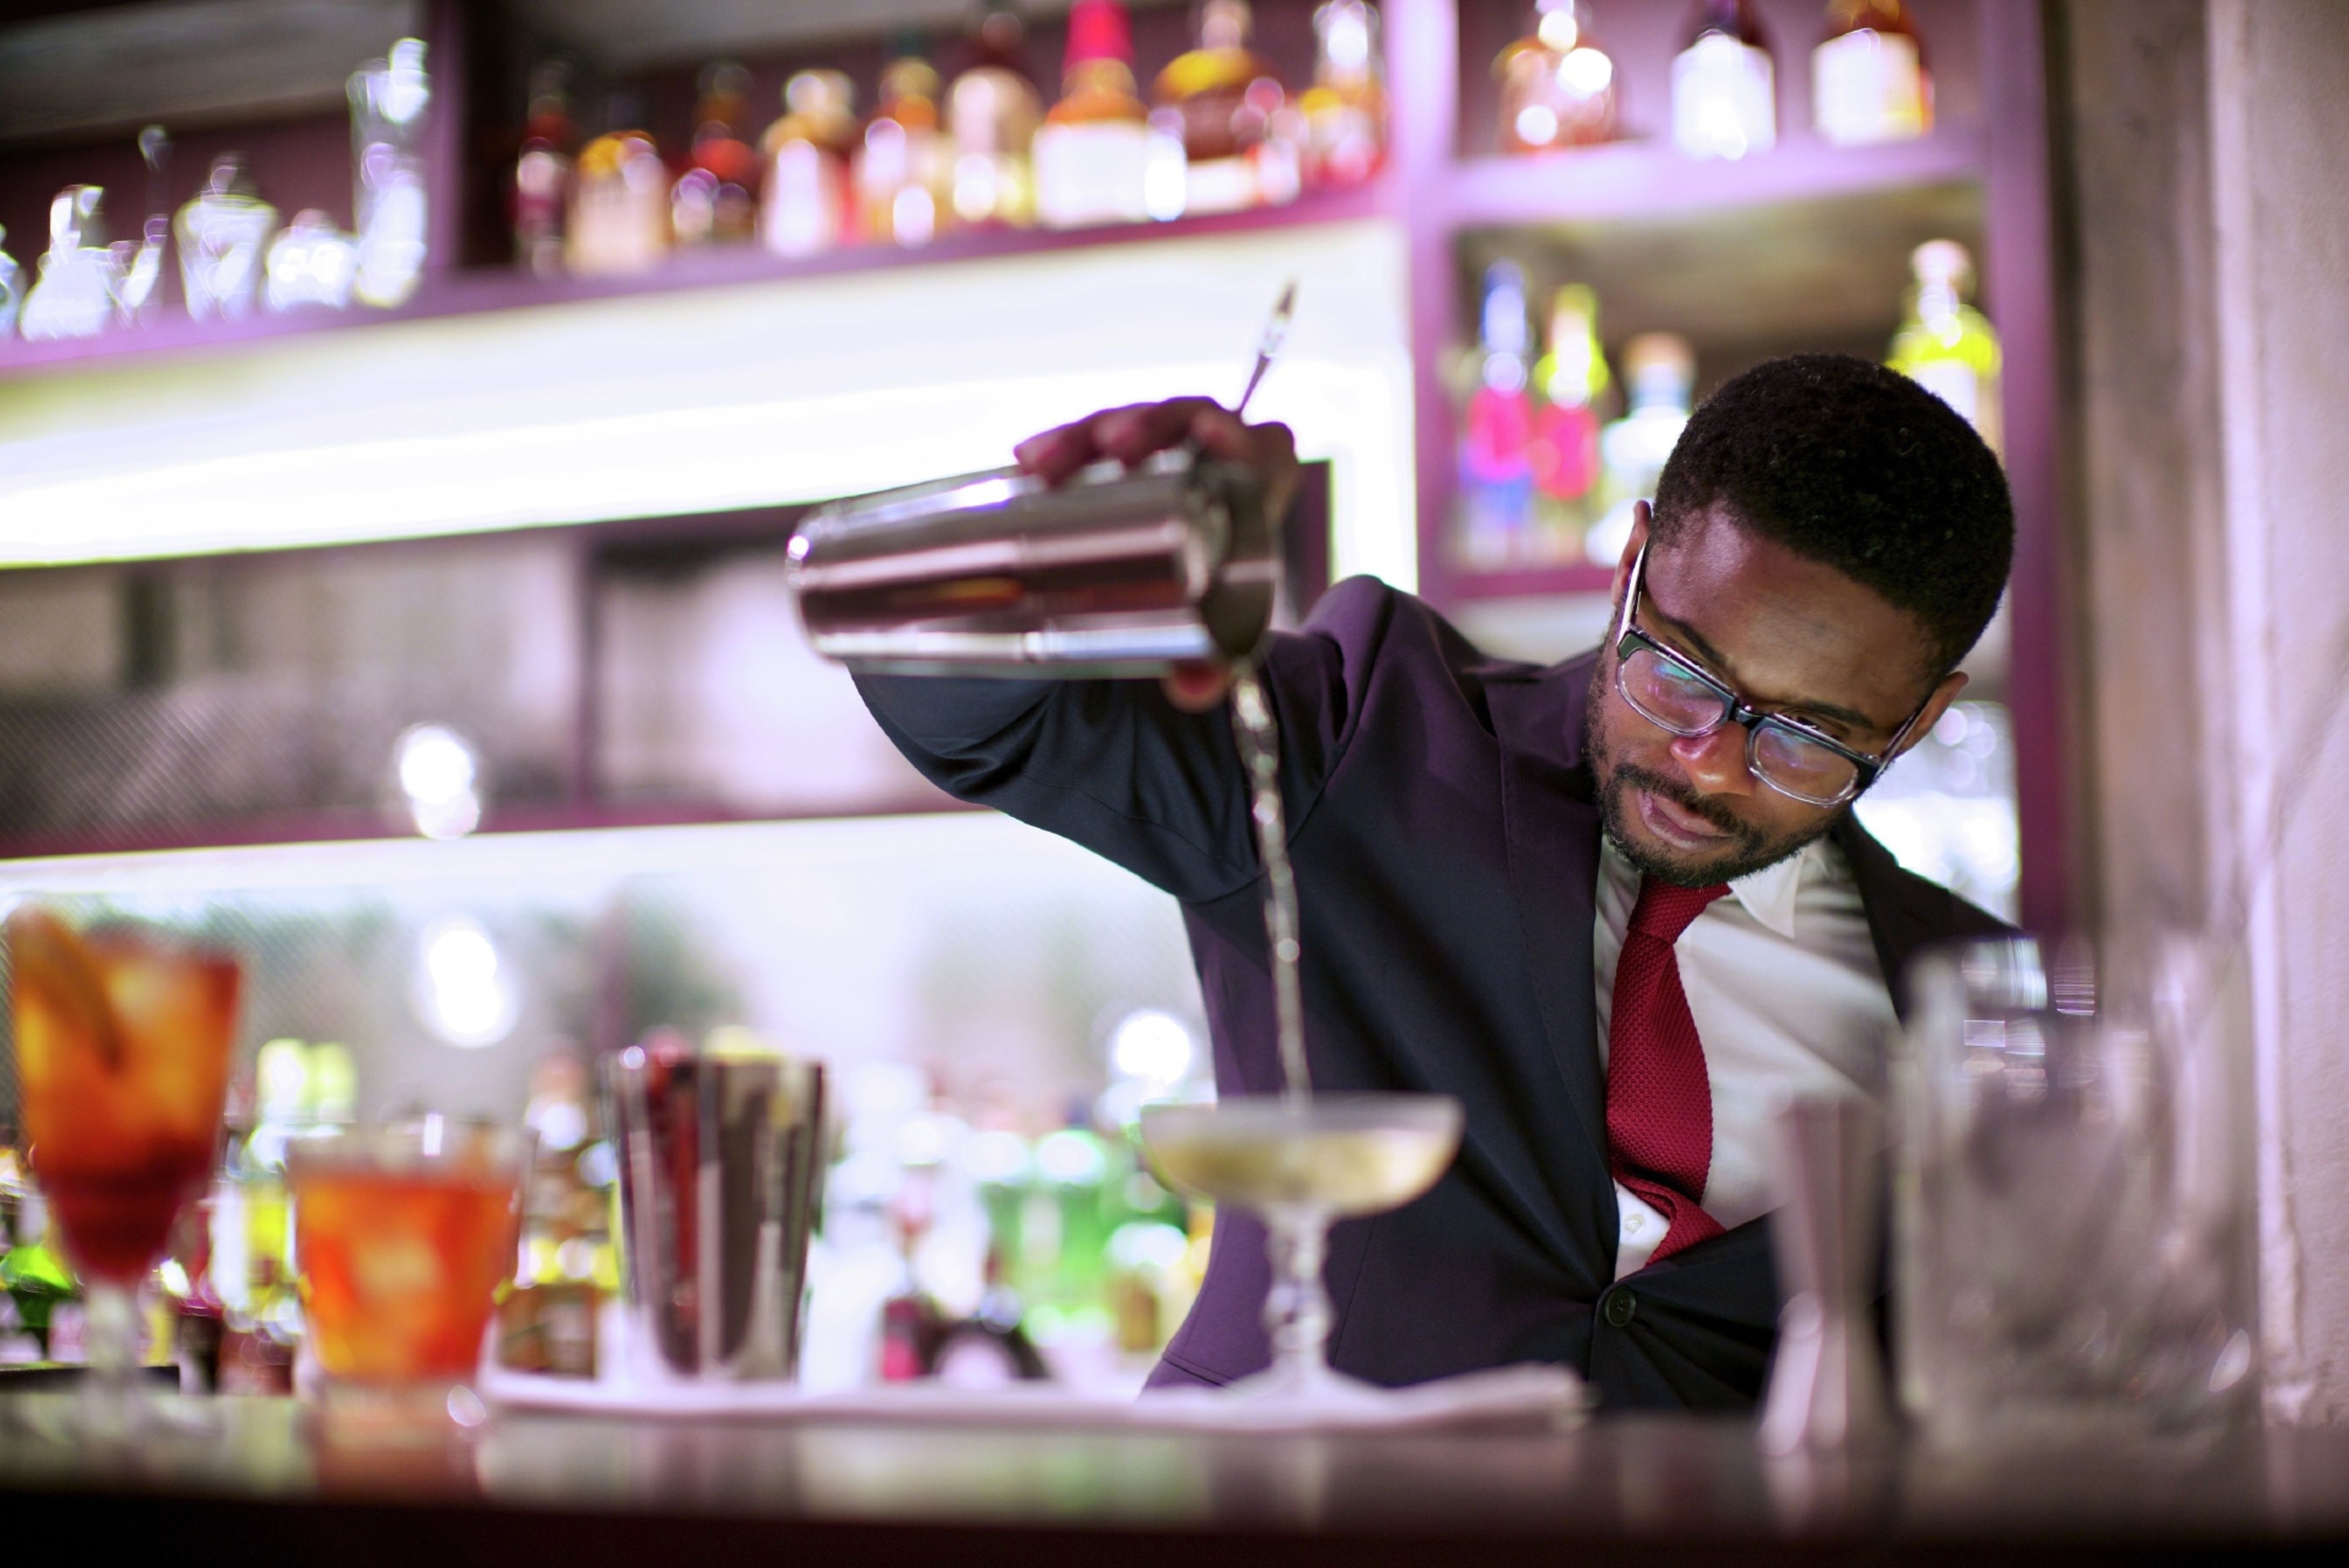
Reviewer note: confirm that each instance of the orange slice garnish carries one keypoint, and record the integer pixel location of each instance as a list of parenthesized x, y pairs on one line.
[(50, 960)]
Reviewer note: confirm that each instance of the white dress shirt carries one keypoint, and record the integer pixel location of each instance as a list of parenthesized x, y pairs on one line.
[(1789, 1000)]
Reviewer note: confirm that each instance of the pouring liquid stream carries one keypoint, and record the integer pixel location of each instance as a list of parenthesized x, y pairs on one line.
[(1259, 742)]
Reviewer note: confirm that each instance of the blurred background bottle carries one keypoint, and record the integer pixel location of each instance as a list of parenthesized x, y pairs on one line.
[(1221, 95), (388, 99), (222, 231), (619, 205), (568, 1264), (73, 295), (1557, 84), (1093, 151), (1345, 110), (715, 198), (142, 262), (1868, 80), (33, 1272), (297, 1089), (1496, 430), (1660, 377), (12, 294), (809, 205), (1724, 89), (992, 113), (540, 195), (309, 262), (904, 165), (1948, 346), (1569, 379)]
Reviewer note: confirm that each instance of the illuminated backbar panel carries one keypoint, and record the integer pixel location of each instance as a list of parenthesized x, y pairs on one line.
[(707, 400)]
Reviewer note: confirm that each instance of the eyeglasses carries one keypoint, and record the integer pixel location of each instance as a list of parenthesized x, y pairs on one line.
[(1790, 756)]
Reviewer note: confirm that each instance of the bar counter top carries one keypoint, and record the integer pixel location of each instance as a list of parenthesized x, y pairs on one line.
[(272, 1482)]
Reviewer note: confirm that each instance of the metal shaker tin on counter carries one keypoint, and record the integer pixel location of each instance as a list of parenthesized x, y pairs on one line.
[(721, 1179), (1116, 572)]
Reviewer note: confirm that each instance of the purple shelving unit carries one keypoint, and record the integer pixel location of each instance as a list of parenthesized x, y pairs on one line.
[(1983, 171)]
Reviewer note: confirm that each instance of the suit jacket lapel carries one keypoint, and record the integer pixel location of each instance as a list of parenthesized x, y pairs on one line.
[(1899, 921), (1551, 826)]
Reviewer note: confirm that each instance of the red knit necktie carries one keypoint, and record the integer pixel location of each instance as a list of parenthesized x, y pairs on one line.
[(1659, 1095)]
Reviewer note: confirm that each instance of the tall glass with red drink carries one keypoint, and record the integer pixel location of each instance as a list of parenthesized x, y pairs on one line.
[(123, 1040)]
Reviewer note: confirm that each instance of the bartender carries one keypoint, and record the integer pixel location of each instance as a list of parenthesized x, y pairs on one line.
[(1619, 907)]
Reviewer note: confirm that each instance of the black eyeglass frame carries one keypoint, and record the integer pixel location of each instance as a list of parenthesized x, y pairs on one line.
[(1629, 638)]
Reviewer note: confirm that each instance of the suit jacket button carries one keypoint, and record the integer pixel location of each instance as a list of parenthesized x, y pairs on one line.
[(1618, 1308)]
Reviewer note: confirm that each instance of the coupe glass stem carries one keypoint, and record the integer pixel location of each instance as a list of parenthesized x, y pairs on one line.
[(1296, 1307)]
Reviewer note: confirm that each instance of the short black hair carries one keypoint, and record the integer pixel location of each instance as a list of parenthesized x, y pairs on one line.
[(1859, 468)]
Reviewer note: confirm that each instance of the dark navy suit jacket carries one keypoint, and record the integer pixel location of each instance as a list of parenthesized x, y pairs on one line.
[(1446, 846)]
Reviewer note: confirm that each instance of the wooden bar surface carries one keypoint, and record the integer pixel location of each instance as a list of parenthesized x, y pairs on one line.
[(274, 1482)]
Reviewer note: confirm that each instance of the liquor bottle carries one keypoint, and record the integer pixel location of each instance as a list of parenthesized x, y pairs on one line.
[(222, 231), (1092, 152), (808, 204), (11, 288), (989, 1349), (1659, 374), (1571, 379), (1868, 81), (1495, 466), (38, 1284), (388, 99), (904, 165), (1345, 110), (74, 294), (32, 1269), (1222, 96), (993, 112), (1557, 84), (715, 199), (541, 193), (1948, 346), (619, 207), (310, 262), (1724, 89), (142, 264)]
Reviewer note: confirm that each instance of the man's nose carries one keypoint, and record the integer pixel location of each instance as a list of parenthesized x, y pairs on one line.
[(1715, 763)]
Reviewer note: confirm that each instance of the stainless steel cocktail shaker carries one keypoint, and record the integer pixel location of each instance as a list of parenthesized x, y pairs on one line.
[(721, 1177), (1116, 572)]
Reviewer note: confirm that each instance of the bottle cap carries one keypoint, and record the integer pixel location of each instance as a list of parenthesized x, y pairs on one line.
[(1659, 366), (1942, 262), (820, 94), (1098, 31)]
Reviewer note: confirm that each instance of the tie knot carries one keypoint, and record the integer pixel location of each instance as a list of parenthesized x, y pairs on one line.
[(1665, 909)]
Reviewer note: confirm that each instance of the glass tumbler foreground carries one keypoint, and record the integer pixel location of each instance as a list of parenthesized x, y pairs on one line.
[(2073, 1225), (403, 1235), (123, 1036)]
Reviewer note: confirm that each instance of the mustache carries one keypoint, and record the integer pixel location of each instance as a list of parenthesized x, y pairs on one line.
[(1688, 800)]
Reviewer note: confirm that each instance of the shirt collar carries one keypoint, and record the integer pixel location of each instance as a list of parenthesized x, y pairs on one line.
[(1769, 895)]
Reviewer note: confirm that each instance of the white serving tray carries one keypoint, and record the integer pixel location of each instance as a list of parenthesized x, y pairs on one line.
[(1511, 1396)]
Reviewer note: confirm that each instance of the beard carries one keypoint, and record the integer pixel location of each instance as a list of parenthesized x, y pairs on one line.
[(1750, 850)]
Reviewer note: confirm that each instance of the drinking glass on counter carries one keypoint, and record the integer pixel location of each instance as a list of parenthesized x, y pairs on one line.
[(402, 1235), (1299, 1162), (2073, 1197), (123, 1035)]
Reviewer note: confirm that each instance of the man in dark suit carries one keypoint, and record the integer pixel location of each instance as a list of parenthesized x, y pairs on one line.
[(1615, 906)]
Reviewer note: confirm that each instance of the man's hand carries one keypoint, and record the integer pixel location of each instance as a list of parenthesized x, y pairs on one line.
[(1133, 433)]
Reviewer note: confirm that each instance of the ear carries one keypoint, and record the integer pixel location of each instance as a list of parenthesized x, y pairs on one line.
[(1935, 706), (1632, 546)]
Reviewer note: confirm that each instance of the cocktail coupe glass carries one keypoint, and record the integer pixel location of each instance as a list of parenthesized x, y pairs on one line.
[(1300, 1162), (123, 1039)]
